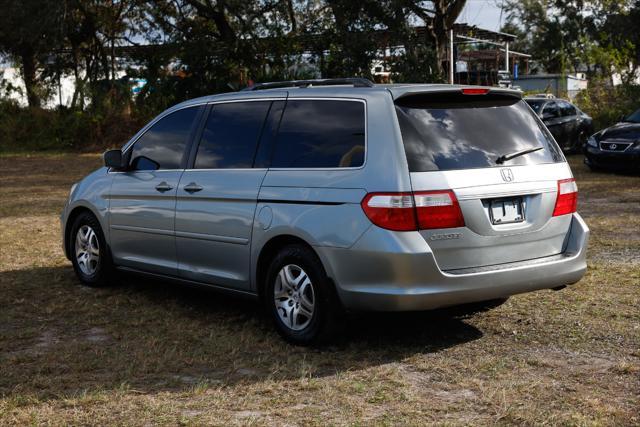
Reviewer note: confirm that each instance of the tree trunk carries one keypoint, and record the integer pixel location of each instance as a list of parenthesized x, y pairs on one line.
[(29, 75), (446, 13), (76, 76), (440, 38), (292, 17)]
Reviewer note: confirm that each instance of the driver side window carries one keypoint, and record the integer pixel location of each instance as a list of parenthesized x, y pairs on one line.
[(163, 145)]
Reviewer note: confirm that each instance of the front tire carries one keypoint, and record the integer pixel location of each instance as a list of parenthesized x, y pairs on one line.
[(299, 297), (89, 253)]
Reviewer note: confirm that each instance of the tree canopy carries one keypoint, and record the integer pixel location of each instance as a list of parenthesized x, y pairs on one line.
[(186, 48), (599, 37), (204, 46)]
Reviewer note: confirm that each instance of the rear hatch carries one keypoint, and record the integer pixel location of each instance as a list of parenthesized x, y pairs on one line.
[(455, 141)]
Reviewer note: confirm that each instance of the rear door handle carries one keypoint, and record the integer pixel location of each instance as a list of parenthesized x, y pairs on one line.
[(163, 186), (192, 187)]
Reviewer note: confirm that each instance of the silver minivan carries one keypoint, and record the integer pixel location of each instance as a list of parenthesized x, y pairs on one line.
[(329, 195)]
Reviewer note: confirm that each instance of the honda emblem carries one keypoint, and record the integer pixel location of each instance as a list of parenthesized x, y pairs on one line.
[(507, 174)]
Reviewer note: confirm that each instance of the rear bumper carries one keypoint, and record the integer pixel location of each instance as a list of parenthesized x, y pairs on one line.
[(386, 271)]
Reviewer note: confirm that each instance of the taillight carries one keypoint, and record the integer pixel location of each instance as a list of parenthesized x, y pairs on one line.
[(413, 211), (393, 211), (474, 91), (567, 198), (438, 209)]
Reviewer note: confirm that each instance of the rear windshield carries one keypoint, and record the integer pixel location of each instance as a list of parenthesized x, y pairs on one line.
[(447, 132)]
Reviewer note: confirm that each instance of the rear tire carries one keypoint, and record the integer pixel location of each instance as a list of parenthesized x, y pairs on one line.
[(90, 255), (300, 298)]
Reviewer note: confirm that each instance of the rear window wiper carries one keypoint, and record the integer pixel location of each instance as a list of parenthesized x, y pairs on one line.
[(505, 157)]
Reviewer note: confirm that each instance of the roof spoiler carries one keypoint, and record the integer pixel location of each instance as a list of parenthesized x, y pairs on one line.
[(471, 91)]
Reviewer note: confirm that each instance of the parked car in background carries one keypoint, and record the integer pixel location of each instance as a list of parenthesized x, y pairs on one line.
[(543, 95), (323, 195), (567, 123), (616, 147)]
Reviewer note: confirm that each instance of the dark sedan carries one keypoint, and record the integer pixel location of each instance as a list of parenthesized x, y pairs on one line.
[(616, 147), (568, 125)]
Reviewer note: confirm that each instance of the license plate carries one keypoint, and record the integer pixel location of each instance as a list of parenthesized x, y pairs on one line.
[(505, 211)]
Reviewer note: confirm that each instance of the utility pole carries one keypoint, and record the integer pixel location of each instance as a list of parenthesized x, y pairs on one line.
[(451, 59), (506, 56)]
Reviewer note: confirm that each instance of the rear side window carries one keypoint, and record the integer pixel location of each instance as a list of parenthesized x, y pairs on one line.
[(447, 132), (230, 136), (551, 110), (163, 145), (567, 109), (321, 134)]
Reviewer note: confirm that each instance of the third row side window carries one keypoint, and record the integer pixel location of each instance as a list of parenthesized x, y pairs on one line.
[(321, 134)]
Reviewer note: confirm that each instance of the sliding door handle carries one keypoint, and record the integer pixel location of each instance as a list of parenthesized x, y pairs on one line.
[(163, 186), (192, 187)]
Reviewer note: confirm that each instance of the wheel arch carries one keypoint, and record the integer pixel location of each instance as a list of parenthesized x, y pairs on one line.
[(71, 217), (270, 249)]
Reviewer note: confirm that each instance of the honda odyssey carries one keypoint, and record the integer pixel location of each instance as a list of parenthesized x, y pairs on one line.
[(327, 195)]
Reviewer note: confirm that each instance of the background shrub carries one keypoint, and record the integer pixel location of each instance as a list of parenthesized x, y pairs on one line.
[(606, 104), (62, 129)]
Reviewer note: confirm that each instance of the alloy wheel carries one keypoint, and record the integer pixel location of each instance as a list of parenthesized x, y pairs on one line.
[(294, 297), (87, 250)]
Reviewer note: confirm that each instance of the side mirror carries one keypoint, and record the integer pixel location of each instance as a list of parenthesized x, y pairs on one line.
[(113, 159), (621, 118)]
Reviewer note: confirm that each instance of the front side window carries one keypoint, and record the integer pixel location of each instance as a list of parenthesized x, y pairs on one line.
[(447, 132), (163, 145), (321, 134), (231, 134)]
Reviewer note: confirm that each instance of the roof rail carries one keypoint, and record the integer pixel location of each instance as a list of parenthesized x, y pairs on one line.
[(354, 81)]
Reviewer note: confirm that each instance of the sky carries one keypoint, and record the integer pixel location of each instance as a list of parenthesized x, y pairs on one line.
[(482, 13)]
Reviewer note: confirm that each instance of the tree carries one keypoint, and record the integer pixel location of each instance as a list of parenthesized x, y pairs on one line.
[(218, 44), (93, 30), (30, 31), (203, 46), (540, 30), (595, 36), (439, 16), (617, 39)]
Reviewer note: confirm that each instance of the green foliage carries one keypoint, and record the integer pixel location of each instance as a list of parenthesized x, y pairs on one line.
[(29, 129), (606, 104), (200, 47), (29, 32), (418, 67), (599, 37)]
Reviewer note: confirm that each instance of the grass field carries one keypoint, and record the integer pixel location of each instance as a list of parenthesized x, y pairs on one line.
[(147, 352)]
